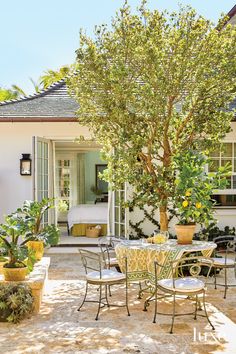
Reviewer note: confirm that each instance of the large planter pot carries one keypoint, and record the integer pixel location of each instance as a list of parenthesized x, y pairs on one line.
[(185, 233), (37, 247), (1, 266), (14, 274)]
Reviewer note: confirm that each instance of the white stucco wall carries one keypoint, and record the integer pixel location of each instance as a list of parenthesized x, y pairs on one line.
[(225, 217), (15, 139)]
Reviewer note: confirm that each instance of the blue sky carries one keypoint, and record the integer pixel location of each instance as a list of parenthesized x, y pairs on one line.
[(41, 35)]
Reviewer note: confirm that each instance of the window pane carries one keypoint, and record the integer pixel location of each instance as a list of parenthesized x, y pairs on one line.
[(226, 150), (225, 199), (234, 182), (117, 214), (228, 186), (234, 165), (226, 161), (117, 198), (117, 230), (215, 153), (122, 230), (214, 165)]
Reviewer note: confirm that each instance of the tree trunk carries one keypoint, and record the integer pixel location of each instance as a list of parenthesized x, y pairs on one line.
[(163, 218)]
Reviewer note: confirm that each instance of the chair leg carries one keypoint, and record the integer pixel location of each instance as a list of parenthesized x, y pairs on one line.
[(99, 302), (196, 306), (85, 295), (126, 297), (155, 309), (173, 315), (107, 286), (215, 277), (204, 306), (226, 284)]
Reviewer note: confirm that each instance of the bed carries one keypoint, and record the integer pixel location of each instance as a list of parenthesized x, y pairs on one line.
[(84, 215)]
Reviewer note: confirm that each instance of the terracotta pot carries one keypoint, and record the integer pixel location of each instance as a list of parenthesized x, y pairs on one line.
[(1, 266), (185, 233), (14, 274), (37, 247)]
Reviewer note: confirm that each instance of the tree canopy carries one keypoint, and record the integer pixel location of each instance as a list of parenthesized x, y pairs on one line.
[(151, 87)]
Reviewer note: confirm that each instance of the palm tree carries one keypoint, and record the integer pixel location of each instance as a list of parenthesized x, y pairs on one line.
[(52, 76), (44, 82)]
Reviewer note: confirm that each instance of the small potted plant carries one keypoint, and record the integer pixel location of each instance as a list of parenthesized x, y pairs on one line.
[(193, 201), (33, 212), (16, 302), (14, 237)]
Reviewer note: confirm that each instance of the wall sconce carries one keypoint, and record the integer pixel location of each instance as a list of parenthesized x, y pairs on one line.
[(25, 165)]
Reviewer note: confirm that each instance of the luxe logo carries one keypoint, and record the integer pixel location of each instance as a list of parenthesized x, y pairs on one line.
[(203, 337)]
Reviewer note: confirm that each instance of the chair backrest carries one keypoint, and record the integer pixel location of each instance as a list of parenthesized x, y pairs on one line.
[(107, 246), (195, 266), (225, 244), (91, 261)]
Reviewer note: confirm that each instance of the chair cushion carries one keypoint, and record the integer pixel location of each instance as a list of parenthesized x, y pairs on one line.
[(108, 275), (221, 261), (182, 284), (112, 262)]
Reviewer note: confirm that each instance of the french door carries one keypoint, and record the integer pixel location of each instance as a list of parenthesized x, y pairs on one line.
[(120, 214), (44, 173)]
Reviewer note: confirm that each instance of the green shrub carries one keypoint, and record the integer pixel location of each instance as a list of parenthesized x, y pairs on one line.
[(16, 302)]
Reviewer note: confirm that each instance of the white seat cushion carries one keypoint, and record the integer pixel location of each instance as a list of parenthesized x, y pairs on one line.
[(221, 261), (182, 284), (112, 262), (107, 275)]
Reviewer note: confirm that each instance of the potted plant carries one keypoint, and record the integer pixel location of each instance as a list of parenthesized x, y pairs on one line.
[(16, 302), (14, 237), (193, 201), (33, 212)]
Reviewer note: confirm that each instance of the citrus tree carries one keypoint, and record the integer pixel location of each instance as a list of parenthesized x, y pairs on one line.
[(151, 86)]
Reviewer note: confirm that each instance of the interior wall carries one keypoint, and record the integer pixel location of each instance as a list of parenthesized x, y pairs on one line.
[(91, 160)]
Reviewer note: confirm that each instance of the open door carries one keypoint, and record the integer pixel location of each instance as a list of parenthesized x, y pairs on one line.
[(119, 216), (44, 173)]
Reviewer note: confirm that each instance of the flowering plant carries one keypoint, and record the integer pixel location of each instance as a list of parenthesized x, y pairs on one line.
[(193, 201)]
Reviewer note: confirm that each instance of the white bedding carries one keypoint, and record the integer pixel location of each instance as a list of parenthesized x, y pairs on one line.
[(88, 214)]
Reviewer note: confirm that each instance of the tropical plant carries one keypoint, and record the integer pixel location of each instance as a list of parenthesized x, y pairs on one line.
[(33, 213), (192, 200), (52, 76), (14, 235), (151, 86), (16, 302)]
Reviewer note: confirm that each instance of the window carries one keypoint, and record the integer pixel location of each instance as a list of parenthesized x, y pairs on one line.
[(226, 154), (63, 181)]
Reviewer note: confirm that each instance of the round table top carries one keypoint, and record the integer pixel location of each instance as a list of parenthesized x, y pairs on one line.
[(171, 244)]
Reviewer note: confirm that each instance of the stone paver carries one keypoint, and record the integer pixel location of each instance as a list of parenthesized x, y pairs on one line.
[(60, 328)]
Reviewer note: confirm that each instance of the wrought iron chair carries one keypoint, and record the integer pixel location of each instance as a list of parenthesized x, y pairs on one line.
[(97, 274), (186, 281), (107, 246), (225, 259)]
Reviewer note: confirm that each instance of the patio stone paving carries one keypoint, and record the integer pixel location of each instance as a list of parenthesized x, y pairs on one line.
[(59, 328)]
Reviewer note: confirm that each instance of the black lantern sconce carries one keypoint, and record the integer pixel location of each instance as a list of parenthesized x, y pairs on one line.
[(25, 165)]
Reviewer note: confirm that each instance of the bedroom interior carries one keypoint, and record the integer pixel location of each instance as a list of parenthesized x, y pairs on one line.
[(82, 197)]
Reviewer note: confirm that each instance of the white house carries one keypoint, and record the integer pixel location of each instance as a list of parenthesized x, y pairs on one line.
[(45, 127)]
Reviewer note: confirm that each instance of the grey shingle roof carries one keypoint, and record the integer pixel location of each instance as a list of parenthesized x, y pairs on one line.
[(51, 104)]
